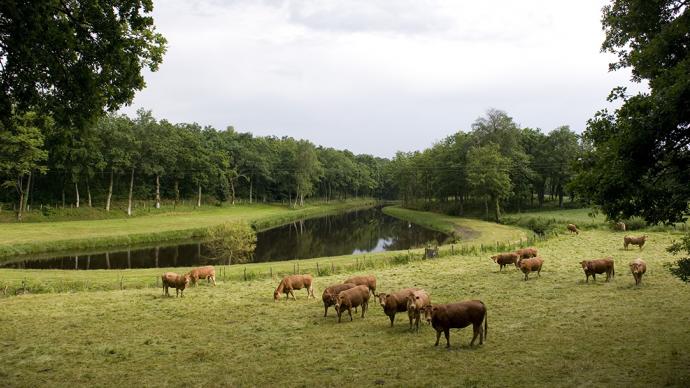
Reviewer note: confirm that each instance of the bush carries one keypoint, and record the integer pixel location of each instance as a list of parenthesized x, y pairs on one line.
[(681, 269)]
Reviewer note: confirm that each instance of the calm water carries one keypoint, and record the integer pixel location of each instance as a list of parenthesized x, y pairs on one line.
[(360, 231)]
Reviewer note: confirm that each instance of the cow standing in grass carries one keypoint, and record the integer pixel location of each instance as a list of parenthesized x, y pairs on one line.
[(599, 266), (503, 259), (396, 302), (348, 299), (416, 303), (366, 280), (639, 241), (530, 265), (330, 295), (444, 317), (572, 228), (206, 272), (294, 282), (638, 267), (179, 282), (526, 253)]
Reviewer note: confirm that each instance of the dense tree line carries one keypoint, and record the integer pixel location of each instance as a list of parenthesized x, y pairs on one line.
[(496, 164), (152, 159)]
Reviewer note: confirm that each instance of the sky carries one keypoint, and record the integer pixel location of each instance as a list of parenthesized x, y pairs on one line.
[(378, 76)]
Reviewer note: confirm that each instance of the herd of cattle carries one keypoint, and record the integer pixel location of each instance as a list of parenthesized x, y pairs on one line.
[(356, 291)]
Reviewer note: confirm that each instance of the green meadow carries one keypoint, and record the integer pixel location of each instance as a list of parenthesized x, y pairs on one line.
[(553, 330)]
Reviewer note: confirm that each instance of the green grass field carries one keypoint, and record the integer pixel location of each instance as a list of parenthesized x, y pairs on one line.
[(27, 238), (554, 330)]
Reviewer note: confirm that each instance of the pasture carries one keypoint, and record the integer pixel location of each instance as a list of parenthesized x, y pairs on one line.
[(554, 330)]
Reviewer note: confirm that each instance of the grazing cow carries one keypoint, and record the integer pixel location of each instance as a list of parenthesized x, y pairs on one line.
[(171, 279), (330, 294), (530, 265), (638, 267), (353, 297), (526, 253), (444, 317), (573, 228), (416, 303), (504, 259), (620, 226), (639, 241), (594, 267), (294, 282), (367, 280), (395, 303), (207, 272)]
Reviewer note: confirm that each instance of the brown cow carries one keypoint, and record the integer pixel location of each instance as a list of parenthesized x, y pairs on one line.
[(366, 280), (294, 282), (355, 296), (504, 259), (573, 228), (594, 267), (620, 226), (206, 272), (530, 265), (444, 317), (171, 279), (638, 267), (395, 303), (639, 241), (330, 294), (416, 303), (526, 253)]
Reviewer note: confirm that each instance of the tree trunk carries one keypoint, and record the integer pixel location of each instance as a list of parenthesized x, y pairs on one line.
[(232, 191), (76, 193), (26, 192), (251, 187), (560, 196), (177, 191), (198, 201), (498, 211), (158, 191), (88, 192), (110, 191), (131, 187), (63, 194), (20, 189), (486, 208)]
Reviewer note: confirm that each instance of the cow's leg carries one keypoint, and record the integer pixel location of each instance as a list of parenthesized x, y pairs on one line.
[(292, 292), (525, 276), (349, 311), (438, 337), (446, 332), (340, 313), (392, 317), (410, 314), (325, 309), (594, 277), (475, 332), (365, 307)]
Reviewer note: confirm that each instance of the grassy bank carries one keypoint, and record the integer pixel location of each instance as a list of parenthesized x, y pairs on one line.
[(554, 330), (29, 238), (464, 229)]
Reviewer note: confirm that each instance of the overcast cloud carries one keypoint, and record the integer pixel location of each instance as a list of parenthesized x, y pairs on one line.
[(378, 76)]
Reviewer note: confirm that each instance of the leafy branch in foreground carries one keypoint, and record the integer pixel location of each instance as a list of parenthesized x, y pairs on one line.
[(232, 242)]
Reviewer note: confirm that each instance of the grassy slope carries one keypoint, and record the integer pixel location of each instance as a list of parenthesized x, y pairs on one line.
[(488, 232), (554, 330), (27, 238)]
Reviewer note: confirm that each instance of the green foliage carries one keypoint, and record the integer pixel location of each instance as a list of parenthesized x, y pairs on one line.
[(232, 242), (637, 160), (73, 59)]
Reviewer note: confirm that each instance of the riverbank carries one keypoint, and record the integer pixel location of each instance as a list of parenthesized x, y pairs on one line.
[(34, 238), (465, 230), (120, 336)]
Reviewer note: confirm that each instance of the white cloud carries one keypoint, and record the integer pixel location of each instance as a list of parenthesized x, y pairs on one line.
[(377, 76)]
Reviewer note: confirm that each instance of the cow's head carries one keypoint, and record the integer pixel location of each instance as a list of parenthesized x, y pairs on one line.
[(584, 264), (187, 278), (518, 262), (276, 295), (382, 298), (338, 303), (428, 311), (494, 258)]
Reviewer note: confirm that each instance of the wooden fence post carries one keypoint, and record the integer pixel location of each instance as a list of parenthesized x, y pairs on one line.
[(270, 271), (318, 271), (245, 274)]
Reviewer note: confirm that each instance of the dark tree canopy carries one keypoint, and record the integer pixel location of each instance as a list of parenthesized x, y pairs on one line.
[(638, 162), (72, 59)]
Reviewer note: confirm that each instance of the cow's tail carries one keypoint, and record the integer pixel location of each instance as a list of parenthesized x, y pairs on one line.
[(613, 271), (486, 321)]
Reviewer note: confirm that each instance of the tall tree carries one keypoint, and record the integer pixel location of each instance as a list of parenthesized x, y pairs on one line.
[(72, 59), (22, 154), (638, 159), (487, 172)]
